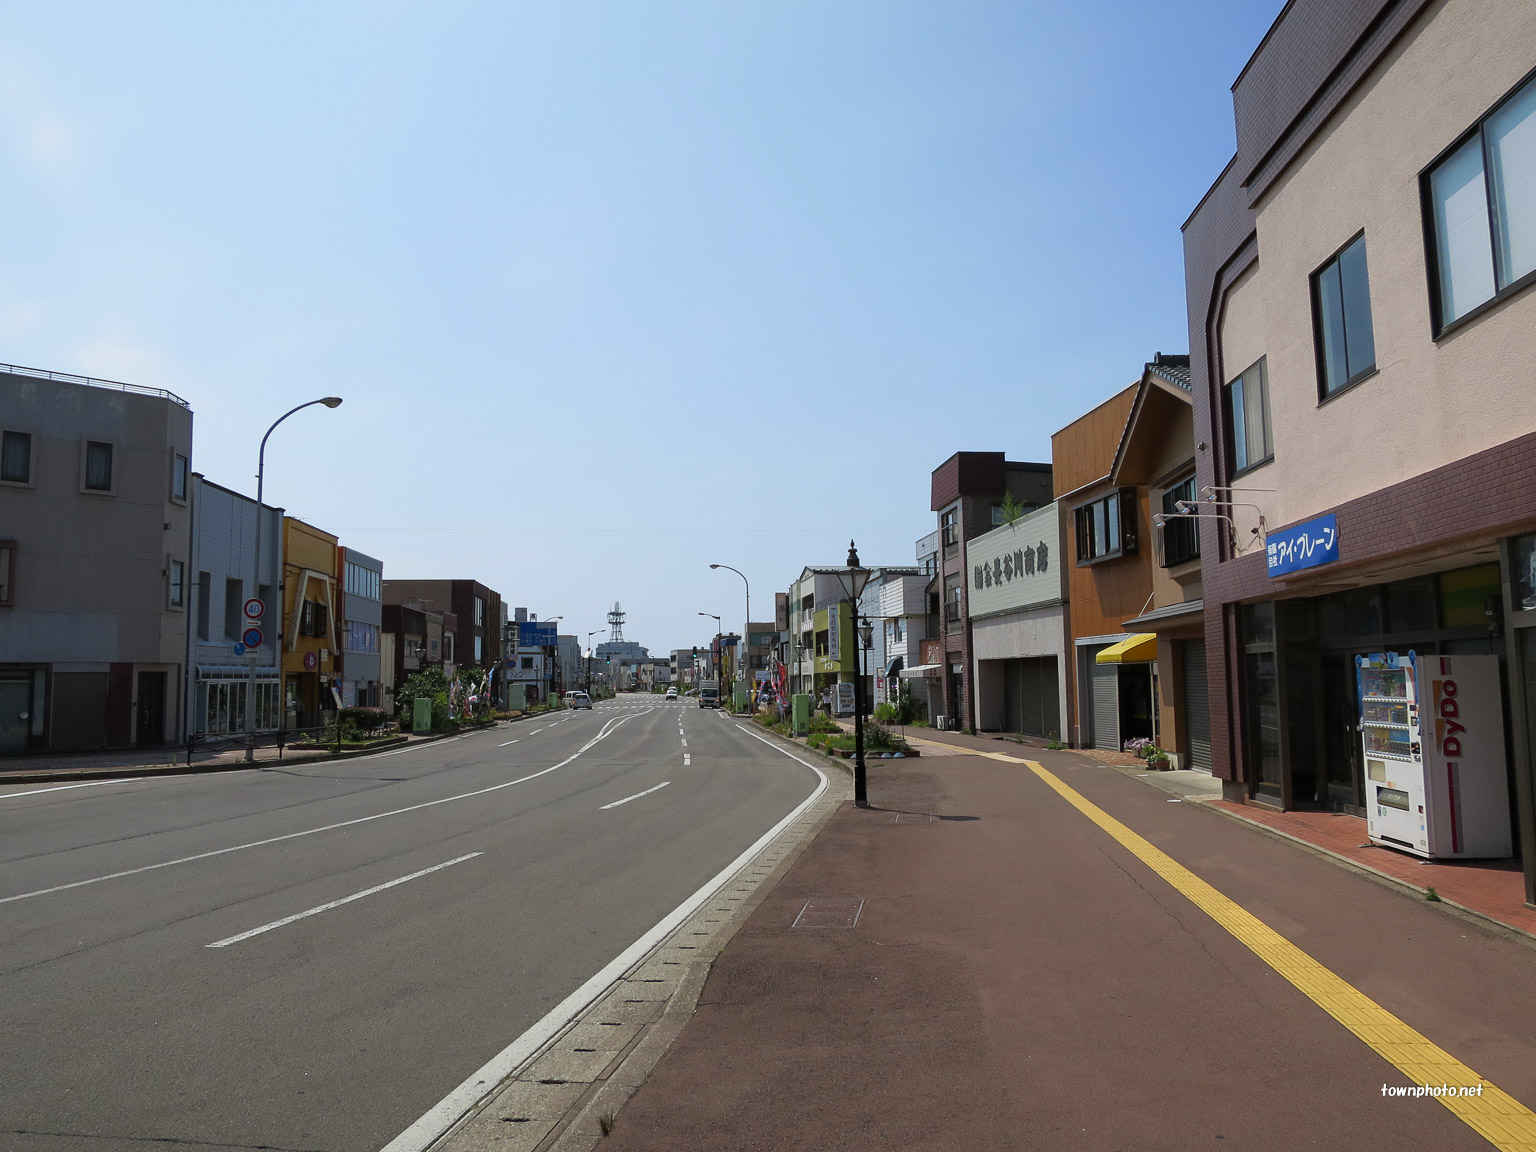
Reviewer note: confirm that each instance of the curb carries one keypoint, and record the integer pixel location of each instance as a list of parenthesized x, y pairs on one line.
[(567, 1095)]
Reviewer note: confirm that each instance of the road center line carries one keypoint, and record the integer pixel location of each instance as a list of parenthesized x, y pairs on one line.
[(607, 729), (508, 743), (636, 796), (338, 903), (65, 787), (1493, 1114), (686, 760)]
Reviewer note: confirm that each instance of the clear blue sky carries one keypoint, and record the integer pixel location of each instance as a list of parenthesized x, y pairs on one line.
[(611, 290)]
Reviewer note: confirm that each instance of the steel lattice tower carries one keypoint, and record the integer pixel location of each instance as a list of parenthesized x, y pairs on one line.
[(616, 618)]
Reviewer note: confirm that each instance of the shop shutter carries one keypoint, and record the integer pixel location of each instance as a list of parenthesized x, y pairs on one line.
[(1197, 708), (1105, 679), (79, 710)]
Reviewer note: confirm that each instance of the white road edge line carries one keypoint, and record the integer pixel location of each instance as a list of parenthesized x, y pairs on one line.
[(636, 796), (445, 1114), (509, 742), (65, 787), (602, 734), (338, 903)]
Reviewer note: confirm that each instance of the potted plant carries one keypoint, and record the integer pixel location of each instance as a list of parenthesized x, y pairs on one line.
[(1158, 759)]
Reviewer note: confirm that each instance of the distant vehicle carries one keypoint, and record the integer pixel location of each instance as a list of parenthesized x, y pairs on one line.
[(709, 694), (671, 693), (577, 700)]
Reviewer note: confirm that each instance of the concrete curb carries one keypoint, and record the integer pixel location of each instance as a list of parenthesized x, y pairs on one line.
[(566, 1096)]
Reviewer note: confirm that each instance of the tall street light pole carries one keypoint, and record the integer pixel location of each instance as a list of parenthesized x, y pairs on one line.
[(746, 632), (854, 578), (255, 658), (590, 634), (720, 647)]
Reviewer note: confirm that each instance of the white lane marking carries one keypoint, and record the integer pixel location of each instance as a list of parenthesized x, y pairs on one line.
[(65, 787), (686, 760), (446, 1113), (603, 734), (636, 796), (536, 731), (338, 903), (685, 743), (509, 742)]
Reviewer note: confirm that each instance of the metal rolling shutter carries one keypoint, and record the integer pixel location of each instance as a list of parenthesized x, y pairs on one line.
[(1105, 679), (1197, 707)]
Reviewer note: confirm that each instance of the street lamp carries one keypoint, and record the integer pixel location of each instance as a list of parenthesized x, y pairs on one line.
[(746, 632), (854, 578), (277, 646), (719, 646), (590, 634)]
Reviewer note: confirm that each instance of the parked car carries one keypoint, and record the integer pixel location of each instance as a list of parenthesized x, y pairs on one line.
[(577, 700)]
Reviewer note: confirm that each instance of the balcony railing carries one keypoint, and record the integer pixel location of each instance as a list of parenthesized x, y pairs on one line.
[(90, 381)]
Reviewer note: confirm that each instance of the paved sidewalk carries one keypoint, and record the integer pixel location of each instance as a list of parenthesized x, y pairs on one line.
[(966, 966)]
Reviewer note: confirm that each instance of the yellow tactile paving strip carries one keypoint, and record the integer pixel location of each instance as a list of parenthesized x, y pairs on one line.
[(1493, 1114)]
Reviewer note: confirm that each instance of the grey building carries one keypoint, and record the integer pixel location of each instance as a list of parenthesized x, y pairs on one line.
[(222, 571), (95, 532), (362, 610)]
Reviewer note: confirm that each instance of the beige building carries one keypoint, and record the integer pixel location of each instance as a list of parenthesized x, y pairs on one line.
[(95, 523), (1361, 327)]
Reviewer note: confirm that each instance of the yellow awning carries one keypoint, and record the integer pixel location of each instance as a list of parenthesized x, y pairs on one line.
[(1132, 650)]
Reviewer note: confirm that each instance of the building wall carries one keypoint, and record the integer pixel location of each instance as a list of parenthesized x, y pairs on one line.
[(91, 578), (309, 574)]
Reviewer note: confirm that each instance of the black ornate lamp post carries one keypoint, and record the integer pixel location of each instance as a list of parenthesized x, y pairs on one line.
[(854, 578)]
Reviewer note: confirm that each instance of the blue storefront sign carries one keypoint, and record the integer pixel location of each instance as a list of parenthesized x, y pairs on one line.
[(1304, 545), (537, 634)]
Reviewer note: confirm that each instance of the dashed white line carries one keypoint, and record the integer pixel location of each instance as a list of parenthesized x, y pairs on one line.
[(636, 796), (685, 743), (686, 760), (508, 742), (338, 903)]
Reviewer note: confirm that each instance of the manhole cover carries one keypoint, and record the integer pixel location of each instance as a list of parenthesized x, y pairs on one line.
[(830, 912)]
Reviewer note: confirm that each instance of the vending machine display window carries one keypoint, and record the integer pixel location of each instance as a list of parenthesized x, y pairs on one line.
[(1525, 572)]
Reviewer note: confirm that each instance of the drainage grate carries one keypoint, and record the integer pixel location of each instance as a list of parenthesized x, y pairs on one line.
[(830, 912), (914, 818)]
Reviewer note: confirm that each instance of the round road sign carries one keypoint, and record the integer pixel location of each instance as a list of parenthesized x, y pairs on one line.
[(254, 608), (251, 637)]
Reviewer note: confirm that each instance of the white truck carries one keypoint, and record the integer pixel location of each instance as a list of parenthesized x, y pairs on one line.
[(709, 694)]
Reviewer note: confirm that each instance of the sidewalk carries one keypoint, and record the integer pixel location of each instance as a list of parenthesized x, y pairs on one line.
[(966, 966)]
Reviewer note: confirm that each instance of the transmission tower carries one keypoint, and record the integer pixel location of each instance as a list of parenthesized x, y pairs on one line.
[(616, 618)]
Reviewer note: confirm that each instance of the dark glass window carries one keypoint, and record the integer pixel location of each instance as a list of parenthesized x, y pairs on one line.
[(1411, 606), (179, 477), (16, 457), (1106, 528), (1249, 442), (1181, 534), (1341, 315), (98, 466)]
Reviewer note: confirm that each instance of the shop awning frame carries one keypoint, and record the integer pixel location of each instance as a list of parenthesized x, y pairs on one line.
[(921, 672), (1138, 649)]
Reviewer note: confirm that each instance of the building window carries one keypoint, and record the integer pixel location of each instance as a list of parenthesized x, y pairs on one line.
[(527, 663), (16, 457), (1247, 416), (314, 620), (1341, 320), (234, 608), (479, 614), (1481, 210), (178, 583), (952, 610), (1106, 528), (1181, 534), (363, 581), (362, 637), (179, 478), (7, 573), (479, 649), (949, 530), (98, 466)]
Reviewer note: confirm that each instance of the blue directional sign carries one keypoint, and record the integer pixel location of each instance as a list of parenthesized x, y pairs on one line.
[(1304, 545), (239, 648), (538, 634)]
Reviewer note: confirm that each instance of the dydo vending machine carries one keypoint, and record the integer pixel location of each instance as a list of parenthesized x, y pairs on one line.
[(1433, 733)]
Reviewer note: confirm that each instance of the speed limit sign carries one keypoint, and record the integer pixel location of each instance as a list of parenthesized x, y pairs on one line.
[(254, 608)]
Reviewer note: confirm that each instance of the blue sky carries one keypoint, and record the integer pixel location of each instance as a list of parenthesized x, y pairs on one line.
[(611, 291)]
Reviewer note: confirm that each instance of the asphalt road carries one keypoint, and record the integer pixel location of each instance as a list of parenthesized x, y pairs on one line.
[(141, 1008)]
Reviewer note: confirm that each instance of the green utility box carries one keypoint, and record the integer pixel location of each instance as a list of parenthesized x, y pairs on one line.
[(517, 697), (421, 714), (800, 714), (741, 699)]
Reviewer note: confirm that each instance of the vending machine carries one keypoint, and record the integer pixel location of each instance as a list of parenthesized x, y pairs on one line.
[(1432, 728)]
